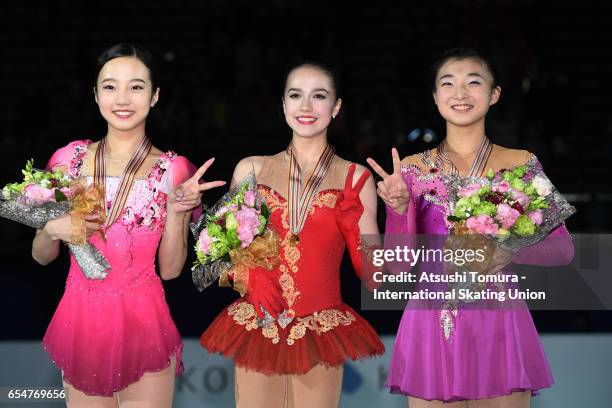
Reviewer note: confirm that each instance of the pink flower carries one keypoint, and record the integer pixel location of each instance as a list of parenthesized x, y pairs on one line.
[(204, 241), (506, 215), (502, 187), (39, 194), (222, 211), (536, 216), (522, 198), (248, 226), (249, 198), (482, 224), (67, 191), (469, 190)]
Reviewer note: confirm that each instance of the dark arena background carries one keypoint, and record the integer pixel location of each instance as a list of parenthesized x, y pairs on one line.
[(221, 72)]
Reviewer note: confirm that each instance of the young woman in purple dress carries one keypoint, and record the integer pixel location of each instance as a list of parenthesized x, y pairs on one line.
[(467, 358)]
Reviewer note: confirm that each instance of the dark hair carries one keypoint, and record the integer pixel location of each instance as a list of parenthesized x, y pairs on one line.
[(128, 50), (461, 53), (319, 66)]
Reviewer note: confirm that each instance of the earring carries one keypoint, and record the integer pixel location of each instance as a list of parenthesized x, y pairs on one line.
[(333, 116)]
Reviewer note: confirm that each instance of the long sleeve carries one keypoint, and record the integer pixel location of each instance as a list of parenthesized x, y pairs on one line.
[(555, 250), (400, 229)]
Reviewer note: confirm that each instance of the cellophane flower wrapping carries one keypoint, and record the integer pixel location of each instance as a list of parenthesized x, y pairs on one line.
[(43, 196)]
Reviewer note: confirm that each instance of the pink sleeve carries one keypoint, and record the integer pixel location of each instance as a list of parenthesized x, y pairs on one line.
[(555, 250), (63, 155), (179, 171)]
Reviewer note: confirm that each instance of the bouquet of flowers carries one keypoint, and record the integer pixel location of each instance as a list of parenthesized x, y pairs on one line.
[(232, 237), (44, 195), (500, 214), (516, 207)]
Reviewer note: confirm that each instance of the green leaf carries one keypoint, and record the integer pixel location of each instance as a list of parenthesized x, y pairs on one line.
[(265, 211), (59, 196), (232, 238)]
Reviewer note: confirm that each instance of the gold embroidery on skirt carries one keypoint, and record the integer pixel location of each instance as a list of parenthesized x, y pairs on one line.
[(244, 314), (320, 322)]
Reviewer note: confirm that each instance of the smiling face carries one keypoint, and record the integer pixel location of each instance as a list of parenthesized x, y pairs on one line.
[(309, 101), (124, 93), (464, 91)]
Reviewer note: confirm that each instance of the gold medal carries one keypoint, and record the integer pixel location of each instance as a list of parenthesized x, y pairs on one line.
[(299, 200)]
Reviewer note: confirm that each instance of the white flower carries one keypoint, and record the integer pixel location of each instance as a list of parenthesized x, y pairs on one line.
[(542, 186)]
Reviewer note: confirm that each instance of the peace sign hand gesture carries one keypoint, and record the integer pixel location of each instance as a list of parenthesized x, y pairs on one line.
[(188, 195), (392, 189), (349, 207)]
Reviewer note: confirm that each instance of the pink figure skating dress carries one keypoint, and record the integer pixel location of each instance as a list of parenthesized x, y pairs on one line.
[(105, 334)]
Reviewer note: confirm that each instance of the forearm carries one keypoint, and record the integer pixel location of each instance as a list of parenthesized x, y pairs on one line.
[(555, 250), (44, 247), (173, 246)]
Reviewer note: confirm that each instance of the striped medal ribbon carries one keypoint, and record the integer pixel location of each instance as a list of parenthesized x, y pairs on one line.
[(300, 200), (127, 178), (480, 161)]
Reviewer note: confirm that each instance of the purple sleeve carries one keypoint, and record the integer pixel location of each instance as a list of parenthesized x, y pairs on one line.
[(555, 250), (400, 229), (402, 223)]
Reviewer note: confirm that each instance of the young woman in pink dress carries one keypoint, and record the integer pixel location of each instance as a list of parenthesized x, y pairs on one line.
[(472, 358), (113, 338)]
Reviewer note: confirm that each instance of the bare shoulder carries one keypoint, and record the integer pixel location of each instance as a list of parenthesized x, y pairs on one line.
[(511, 157), (345, 164), (413, 159), (359, 171), (92, 147), (246, 165), (155, 153)]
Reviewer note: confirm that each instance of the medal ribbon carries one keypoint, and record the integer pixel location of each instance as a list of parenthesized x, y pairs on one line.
[(480, 161), (299, 201), (127, 178)]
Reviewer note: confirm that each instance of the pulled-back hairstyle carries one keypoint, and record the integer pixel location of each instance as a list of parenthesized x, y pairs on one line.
[(128, 50), (462, 53), (333, 78)]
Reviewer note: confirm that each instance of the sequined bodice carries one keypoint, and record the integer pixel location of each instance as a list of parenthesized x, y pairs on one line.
[(130, 248), (428, 185), (310, 269), (131, 242)]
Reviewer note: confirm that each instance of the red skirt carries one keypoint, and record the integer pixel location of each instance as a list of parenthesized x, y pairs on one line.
[(328, 337)]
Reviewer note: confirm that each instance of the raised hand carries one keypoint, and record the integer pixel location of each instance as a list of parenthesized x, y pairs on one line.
[(188, 195), (349, 207), (392, 188)]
